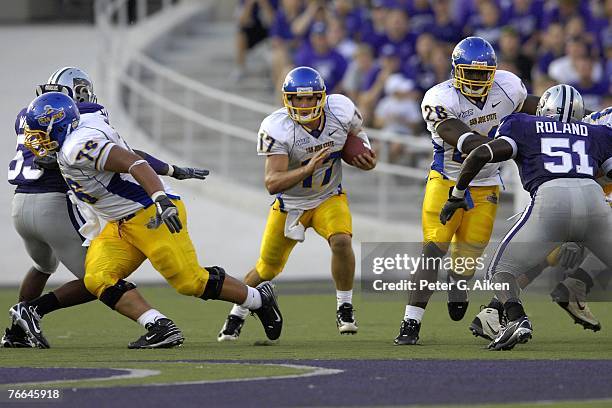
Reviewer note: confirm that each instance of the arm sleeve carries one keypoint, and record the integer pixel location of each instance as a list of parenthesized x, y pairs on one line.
[(504, 132)]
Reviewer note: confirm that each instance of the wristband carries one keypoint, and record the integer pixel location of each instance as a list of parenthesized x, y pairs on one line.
[(157, 194), (456, 193), (170, 170)]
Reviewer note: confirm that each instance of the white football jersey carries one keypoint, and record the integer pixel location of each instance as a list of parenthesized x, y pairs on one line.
[(444, 101), (603, 117), (81, 160), (279, 134)]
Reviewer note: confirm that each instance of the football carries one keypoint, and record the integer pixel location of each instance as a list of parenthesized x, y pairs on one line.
[(353, 146)]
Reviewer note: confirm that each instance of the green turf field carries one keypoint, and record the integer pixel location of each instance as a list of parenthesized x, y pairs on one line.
[(93, 336)]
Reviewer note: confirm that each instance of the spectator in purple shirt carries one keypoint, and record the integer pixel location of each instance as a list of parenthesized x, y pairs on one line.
[(397, 33), (373, 31), (284, 41), (320, 56), (560, 11), (421, 15), (552, 47), (487, 23), (526, 17), (389, 63), (420, 66), (444, 27), (350, 15)]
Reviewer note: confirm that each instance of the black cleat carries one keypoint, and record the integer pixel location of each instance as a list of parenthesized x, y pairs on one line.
[(163, 333), (516, 332), (409, 333), (269, 314), (15, 337), (28, 319), (345, 319), (231, 329), (457, 301)]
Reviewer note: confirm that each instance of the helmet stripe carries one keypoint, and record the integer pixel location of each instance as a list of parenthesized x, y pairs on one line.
[(563, 102), (55, 78), (571, 104)]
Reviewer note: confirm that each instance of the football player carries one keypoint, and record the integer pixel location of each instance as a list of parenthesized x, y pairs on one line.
[(461, 114), (302, 143), (559, 160), (123, 189), (40, 191), (571, 293)]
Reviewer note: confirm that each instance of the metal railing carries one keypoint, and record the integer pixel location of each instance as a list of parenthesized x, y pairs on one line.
[(218, 128)]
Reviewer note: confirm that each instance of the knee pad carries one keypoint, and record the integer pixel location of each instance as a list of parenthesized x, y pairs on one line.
[(112, 294), (216, 277)]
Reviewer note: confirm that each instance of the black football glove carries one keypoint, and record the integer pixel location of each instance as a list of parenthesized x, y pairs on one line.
[(452, 205), (48, 162), (184, 173), (167, 213)]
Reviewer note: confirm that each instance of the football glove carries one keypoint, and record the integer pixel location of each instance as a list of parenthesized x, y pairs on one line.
[(452, 205), (48, 162), (570, 255), (167, 213), (184, 173)]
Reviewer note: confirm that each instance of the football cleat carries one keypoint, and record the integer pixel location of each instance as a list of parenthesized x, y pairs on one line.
[(570, 294), (28, 319), (163, 333), (345, 319), (231, 329), (15, 337), (516, 332), (487, 323), (269, 313), (409, 333), (457, 301)]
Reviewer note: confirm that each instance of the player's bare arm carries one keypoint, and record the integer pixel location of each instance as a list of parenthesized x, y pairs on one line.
[(493, 152), (121, 160), (164, 169), (530, 104), (279, 178), (458, 134)]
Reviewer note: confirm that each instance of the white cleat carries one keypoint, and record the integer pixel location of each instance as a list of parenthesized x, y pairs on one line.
[(570, 294), (486, 324), (345, 319)]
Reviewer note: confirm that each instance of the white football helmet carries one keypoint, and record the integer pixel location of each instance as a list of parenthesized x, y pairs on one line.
[(77, 80), (561, 102)]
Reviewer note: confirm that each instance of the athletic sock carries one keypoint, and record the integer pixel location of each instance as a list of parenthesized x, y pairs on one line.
[(47, 303), (496, 304), (344, 296), (414, 312), (239, 311), (150, 316), (583, 276), (514, 309), (253, 299)]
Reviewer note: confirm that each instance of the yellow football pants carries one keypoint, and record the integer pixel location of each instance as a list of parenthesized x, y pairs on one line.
[(331, 217), (468, 231), (122, 246)]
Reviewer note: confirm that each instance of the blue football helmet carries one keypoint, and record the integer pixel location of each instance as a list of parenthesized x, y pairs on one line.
[(474, 64), (304, 81), (49, 119)]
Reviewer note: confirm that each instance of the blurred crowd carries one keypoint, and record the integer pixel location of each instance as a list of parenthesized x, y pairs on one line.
[(385, 54)]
